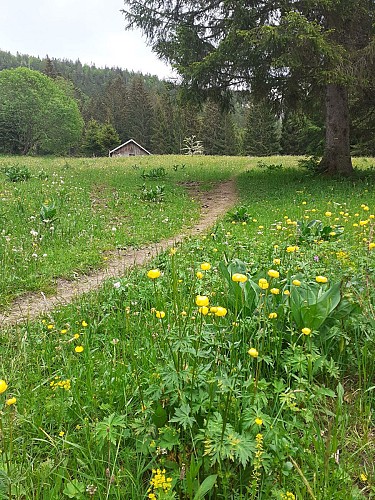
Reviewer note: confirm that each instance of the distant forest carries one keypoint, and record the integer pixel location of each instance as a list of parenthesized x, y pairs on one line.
[(117, 105)]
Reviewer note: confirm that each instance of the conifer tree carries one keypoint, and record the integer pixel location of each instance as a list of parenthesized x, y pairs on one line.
[(262, 136), (281, 49)]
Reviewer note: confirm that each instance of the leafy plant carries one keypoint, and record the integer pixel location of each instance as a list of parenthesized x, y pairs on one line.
[(155, 173), (48, 213), (17, 173), (314, 231), (269, 166), (239, 215), (311, 163), (154, 194)]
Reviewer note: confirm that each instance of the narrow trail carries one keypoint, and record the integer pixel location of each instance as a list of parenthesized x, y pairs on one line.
[(214, 204)]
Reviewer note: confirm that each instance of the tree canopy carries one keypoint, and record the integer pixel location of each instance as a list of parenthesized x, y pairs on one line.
[(286, 49), (36, 114)]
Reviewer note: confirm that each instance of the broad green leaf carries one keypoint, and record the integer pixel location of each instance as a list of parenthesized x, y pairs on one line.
[(205, 487)]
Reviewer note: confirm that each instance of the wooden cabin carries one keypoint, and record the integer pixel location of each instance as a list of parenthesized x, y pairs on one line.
[(129, 148)]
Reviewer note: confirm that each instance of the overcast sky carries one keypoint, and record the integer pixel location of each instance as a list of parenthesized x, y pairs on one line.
[(92, 31)]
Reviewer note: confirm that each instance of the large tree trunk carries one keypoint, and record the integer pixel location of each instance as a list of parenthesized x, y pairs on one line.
[(336, 158)]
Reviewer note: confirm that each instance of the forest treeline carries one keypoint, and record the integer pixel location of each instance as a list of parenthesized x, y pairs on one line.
[(116, 105)]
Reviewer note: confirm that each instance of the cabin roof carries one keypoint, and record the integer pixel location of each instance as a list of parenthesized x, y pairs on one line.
[(127, 142)]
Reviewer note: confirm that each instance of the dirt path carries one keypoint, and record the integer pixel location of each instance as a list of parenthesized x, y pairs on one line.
[(214, 204)]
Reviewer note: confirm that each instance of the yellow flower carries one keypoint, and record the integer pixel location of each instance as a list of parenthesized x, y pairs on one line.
[(296, 282), (199, 275), (205, 266), (288, 496), (202, 300), (172, 251), (292, 249), (63, 331), (50, 327), (273, 274), (160, 314), (263, 284), (253, 352), (286, 292), (363, 477), (371, 246), (153, 274), (306, 331), (276, 261), (76, 336), (275, 291), (363, 222), (204, 310), (272, 315), (183, 313), (84, 324), (321, 279), (3, 386), (61, 433), (220, 311), (328, 214), (239, 278), (258, 421), (78, 348), (11, 401)]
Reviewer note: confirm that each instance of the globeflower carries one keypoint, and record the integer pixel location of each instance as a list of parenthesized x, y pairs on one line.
[(202, 300), (153, 274), (220, 311), (199, 275), (78, 348), (160, 314), (3, 386), (371, 246), (272, 315), (11, 401), (205, 266), (275, 291), (239, 278), (273, 274), (291, 249), (321, 279), (296, 282), (253, 352), (276, 262), (204, 310), (258, 421), (306, 331), (263, 284)]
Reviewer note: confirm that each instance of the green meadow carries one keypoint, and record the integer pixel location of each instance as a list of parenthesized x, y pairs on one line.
[(237, 365)]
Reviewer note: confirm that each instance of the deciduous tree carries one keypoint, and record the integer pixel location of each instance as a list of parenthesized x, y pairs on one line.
[(36, 114)]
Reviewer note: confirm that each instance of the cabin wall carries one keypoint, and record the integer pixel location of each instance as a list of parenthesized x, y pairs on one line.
[(129, 150)]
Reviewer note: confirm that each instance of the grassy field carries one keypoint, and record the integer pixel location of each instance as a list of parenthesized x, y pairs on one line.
[(68, 213), (239, 365)]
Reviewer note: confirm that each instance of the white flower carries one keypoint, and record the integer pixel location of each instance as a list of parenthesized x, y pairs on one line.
[(117, 284)]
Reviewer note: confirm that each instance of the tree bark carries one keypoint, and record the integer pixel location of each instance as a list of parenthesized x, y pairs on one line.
[(336, 158)]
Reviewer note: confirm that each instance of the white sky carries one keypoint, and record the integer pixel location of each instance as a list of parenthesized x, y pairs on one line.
[(92, 31)]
